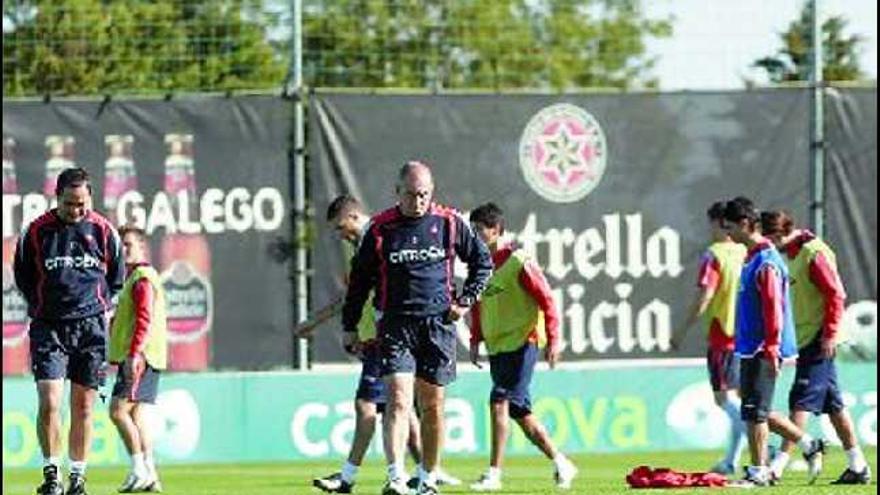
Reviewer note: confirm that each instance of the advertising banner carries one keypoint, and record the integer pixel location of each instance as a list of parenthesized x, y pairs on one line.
[(206, 178), (284, 416), (609, 192)]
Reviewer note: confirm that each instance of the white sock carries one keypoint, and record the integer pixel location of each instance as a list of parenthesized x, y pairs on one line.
[(805, 442), (349, 471), (856, 459), (420, 472), (78, 467), (430, 477), (779, 463), (494, 473), (139, 465), (397, 471), (150, 463), (52, 461), (738, 439), (559, 460)]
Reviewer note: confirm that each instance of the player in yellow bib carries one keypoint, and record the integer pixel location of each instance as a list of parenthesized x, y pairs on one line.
[(818, 304), (717, 286), (515, 318), (138, 344)]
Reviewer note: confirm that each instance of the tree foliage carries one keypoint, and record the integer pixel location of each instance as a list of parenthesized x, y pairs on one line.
[(100, 46), (793, 61), (95, 46), (500, 44)]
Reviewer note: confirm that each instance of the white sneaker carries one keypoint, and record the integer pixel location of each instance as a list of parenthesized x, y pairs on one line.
[(135, 482), (426, 488), (155, 487), (486, 483), (444, 478), (798, 466), (565, 474), (754, 478), (814, 459), (395, 487)]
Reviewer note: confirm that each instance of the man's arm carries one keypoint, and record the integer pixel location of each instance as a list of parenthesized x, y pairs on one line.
[(474, 253), (770, 290), (116, 265), (823, 274), (23, 267), (476, 325), (535, 283), (329, 310), (142, 295), (707, 283), (362, 279), (476, 335)]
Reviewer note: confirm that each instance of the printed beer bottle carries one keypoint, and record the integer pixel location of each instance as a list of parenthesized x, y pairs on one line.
[(60, 151), (120, 175), (15, 341), (186, 264)]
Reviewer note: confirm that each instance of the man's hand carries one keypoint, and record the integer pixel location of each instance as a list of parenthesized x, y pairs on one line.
[(475, 354), (457, 312), (551, 354), (351, 343), (134, 365), (304, 330), (772, 358), (829, 348)]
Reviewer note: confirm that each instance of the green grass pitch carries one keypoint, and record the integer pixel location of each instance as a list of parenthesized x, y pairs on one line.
[(599, 474)]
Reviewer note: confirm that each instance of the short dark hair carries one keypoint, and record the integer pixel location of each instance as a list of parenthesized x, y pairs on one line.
[(716, 211), (740, 208), (341, 203), (489, 214), (131, 228), (72, 177), (777, 222)]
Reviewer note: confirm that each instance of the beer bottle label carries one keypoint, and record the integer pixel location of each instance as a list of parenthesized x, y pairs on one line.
[(188, 300)]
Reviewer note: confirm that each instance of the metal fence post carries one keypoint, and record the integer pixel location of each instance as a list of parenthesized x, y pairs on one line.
[(817, 129), (299, 189)]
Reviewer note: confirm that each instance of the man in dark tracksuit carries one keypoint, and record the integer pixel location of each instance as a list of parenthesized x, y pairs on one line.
[(69, 266), (406, 256)]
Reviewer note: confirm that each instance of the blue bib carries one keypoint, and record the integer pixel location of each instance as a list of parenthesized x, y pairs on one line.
[(749, 316)]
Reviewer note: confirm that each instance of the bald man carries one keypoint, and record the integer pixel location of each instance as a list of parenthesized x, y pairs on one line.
[(406, 256)]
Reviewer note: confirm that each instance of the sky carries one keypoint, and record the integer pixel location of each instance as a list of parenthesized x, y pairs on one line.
[(715, 41)]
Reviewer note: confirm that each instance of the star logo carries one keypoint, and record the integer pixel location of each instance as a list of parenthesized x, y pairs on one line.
[(563, 153)]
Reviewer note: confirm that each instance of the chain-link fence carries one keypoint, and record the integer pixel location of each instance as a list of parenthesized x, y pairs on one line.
[(503, 44), (94, 47), (127, 46)]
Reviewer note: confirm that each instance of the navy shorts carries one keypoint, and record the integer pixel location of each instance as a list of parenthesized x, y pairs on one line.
[(723, 368), (143, 388), (511, 376), (424, 345), (371, 387), (815, 386), (756, 387), (72, 349)]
